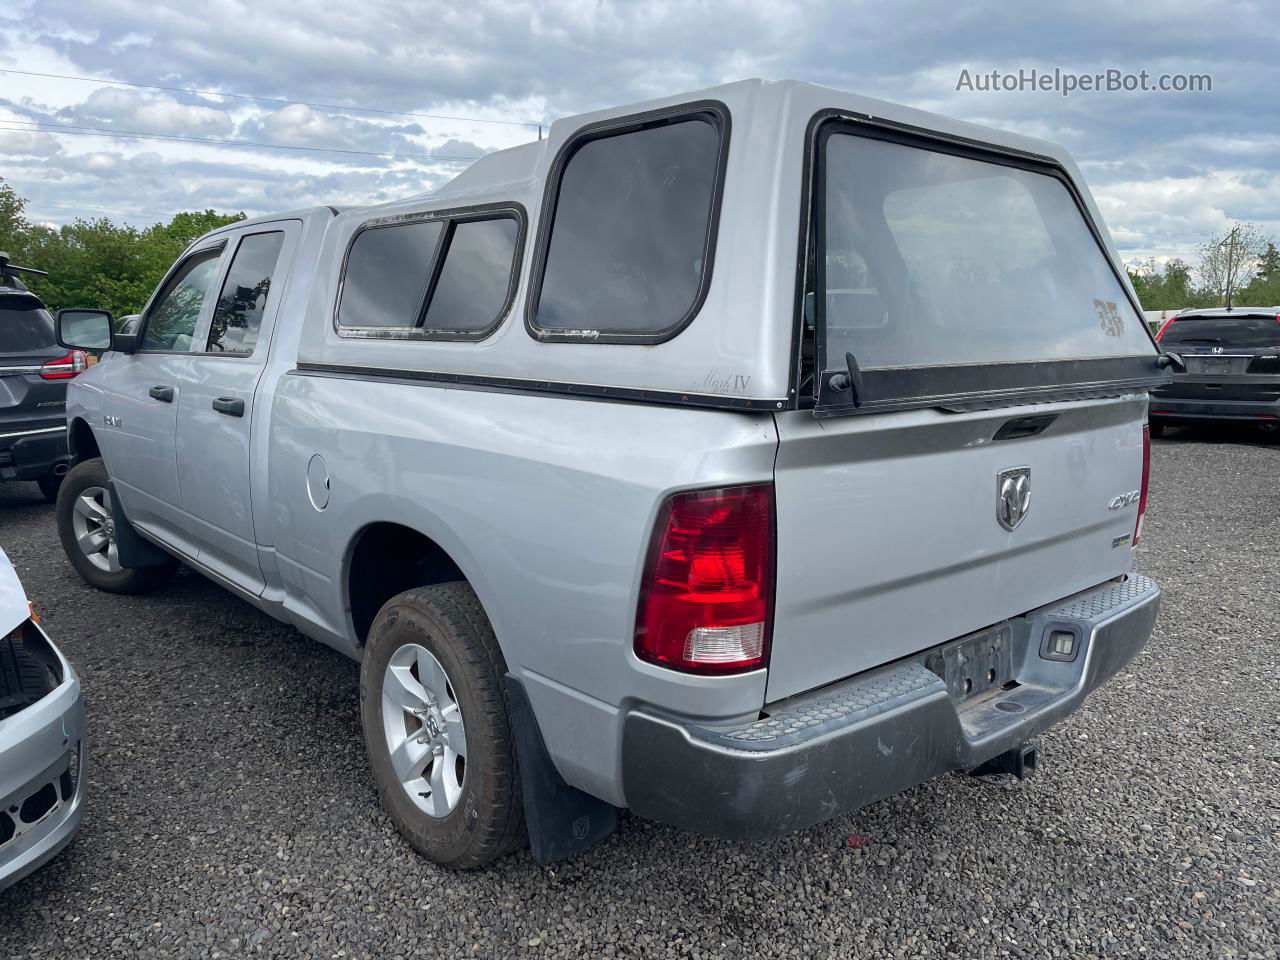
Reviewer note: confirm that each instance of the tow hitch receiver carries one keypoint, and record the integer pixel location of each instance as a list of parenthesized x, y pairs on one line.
[(1019, 762)]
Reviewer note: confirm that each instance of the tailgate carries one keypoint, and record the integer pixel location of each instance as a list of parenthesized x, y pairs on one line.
[(889, 540)]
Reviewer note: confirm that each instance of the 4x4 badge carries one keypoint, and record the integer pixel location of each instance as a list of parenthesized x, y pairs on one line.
[(1013, 496)]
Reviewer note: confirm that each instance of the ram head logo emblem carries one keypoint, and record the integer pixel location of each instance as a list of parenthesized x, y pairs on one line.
[(1013, 496)]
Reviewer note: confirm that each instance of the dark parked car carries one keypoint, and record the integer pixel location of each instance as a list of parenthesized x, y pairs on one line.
[(1232, 359), (34, 372)]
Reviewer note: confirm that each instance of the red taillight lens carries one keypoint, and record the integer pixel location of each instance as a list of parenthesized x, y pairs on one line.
[(1165, 326), (64, 368), (707, 595), (1146, 482)]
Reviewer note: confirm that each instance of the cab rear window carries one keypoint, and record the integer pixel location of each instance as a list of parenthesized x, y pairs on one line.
[(24, 327)]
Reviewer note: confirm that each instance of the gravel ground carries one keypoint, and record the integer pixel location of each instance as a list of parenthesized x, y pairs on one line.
[(232, 813)]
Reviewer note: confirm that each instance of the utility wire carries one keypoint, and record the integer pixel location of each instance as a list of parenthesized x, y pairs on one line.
[(36, 126), (246, 96), (81, 208)]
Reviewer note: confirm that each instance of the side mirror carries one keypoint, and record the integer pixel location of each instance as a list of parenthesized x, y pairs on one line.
[(84, 329), (1170, 359)]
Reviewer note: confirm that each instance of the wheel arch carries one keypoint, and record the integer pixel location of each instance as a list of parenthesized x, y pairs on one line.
[(81, 441), (387, 557)]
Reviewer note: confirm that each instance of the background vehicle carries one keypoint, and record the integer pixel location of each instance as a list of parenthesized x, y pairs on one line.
[(34, 372), (42, 745), (1232, 357), (618, 507)]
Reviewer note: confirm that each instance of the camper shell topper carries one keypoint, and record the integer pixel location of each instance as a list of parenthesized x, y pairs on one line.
[(694, 235)]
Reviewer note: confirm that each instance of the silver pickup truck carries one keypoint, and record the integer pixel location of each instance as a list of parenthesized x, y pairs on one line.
[(738, 458)]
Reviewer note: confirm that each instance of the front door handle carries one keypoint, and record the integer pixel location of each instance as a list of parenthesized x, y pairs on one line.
[(163, 394), (231, 406)]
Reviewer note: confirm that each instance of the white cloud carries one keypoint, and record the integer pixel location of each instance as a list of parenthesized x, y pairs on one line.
[(148, 112), (1172, 215)]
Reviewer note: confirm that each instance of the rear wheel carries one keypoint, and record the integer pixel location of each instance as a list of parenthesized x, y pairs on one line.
[(436, 726), (1157, 429), (87, 527)]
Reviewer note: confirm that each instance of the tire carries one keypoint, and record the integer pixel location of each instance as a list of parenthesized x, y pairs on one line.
[(49, 487), (84, 492), (1156, 428), (486, 818), (23, 680)]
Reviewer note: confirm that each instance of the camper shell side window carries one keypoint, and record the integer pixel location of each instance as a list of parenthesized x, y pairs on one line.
[(441, 275), (628, 229)]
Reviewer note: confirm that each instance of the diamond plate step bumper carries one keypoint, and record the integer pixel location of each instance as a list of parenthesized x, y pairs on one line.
[(834, 750)]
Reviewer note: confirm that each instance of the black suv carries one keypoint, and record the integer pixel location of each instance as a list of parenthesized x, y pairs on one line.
[(1232, 357), (34, 372)]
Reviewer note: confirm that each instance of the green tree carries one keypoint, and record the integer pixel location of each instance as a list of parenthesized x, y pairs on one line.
[(13, 226), (1166, 287), (1229, 264), (1264, 290), (96, 263)]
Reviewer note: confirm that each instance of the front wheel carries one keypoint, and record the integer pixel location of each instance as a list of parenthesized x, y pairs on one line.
[(87, 527), (437, 729)]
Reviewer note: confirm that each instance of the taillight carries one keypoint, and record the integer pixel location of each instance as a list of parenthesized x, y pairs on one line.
[(64, 368), (706, 600), (1165, 326), (1146, 482)]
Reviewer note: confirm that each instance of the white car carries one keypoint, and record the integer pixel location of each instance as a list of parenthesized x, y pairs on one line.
[(42, 756)]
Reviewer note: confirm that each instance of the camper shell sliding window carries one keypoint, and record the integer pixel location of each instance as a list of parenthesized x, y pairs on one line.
[(446, 275), (945, 275)]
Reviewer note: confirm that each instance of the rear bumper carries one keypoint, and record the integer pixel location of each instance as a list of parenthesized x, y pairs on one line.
[(1176, 408), (32, 453), (828, 753), (41, 801), (1207, 397)]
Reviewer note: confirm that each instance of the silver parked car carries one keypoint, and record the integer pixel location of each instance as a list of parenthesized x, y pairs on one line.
[(739, 458), (42, 745)]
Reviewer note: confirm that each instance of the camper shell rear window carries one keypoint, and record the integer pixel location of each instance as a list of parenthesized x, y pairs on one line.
[(941, 274)]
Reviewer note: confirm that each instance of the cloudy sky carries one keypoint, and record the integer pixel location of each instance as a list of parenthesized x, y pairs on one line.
[(434, 80)]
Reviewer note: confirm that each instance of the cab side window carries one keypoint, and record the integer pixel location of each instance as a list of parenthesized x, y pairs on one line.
[(172, 320), (243, 299)]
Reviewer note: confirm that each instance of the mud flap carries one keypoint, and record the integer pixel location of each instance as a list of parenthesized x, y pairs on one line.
[(132, 549), (563, 821)]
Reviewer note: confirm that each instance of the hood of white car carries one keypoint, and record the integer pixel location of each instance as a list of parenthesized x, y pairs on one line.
[(14, 608)]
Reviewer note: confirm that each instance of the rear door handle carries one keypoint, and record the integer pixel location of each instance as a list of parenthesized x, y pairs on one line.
[(163, 394), (231, 406)]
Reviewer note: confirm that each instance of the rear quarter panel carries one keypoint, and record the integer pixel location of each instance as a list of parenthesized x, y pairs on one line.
[(545, 503)]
